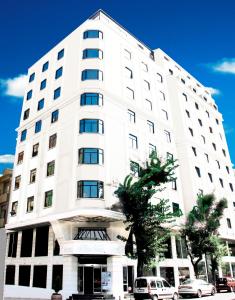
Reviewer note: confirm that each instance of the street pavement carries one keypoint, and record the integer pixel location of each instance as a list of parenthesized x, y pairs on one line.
[(218, 296)]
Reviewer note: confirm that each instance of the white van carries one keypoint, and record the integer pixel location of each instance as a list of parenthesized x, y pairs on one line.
[(152, 287)]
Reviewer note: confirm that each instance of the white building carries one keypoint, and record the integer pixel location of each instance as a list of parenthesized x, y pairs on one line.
[(97, 101)]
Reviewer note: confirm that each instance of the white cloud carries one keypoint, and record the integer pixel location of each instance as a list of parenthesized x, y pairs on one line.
[(226, 65), (6, 159), (14, 86), (213, 91)]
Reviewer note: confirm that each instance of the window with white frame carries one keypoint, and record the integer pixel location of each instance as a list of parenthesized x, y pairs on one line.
[(133, 142), (130, 93)]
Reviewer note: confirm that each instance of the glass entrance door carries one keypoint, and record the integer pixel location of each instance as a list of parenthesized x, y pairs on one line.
[(89, 279)]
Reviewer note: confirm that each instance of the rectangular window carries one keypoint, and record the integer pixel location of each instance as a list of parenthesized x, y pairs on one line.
[(91, 156), (148, 104), (150, 126), (33, 176), (196, 105), (41, 242), (38, 126), (174, 185), (23, 135), (200, 122), (224, 152), (52, 141), (92, 74), (26, 243), (164, 114), (146, 85), (127, 54), (29, 95), (133, 143), (188, 113), (40, 104), (92, 53), (169, 156), (221, 182), (214, 146), (131, 116), (26, 114), (17, 182), (57, 277), (93, 34), (20, 157), (152, 148), (198, 171), (14, 208), (51, 168), (134, 168), (180, 247), (60, 54), (194, 151), (185, 97), (203, 139), (128, 73), (175, 207), (159, 78), (90, 189), (58, 72), (130, 93), (91, 99), (12, 246), (91, 126), (162, 96), (167, 136), (144, 66), (40, 276), (31, 77), (229, 223), (35, 150), (48, 198), (45, 66), (24, 275), (43, 84), (54, 116), (191, 131), (30, 204), (210, 177), (231, 186), (57, 93), (207, 157), (10, 275)]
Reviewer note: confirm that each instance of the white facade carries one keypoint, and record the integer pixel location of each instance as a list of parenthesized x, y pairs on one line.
[(140, 99)]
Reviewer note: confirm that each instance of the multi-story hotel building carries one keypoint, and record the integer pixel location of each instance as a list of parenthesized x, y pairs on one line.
[(95, 106)]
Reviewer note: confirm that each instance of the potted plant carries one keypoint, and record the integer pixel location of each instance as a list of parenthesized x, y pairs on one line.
[(57, 287)]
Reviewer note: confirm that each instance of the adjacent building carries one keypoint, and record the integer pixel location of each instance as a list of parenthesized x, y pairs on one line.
[(95, 107), (5, 186)]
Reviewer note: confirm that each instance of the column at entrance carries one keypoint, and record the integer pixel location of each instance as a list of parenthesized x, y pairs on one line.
[(69, 276), (115, 266)]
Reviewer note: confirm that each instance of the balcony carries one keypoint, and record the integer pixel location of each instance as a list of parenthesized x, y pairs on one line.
[(4, 197), (74, 247)]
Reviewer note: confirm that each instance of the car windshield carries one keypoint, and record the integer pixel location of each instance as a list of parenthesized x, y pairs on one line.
[(188, 281), (141, 283)]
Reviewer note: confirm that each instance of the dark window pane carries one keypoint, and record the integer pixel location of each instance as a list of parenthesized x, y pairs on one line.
[(41, 245), (26, 243), (40, 276), (10, 275), (24, 275)]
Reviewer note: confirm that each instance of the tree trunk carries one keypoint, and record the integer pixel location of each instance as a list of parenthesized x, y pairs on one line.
[(140, 267)]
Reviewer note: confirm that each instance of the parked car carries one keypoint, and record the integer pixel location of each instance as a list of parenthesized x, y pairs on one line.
[(196, 287), (225, 283), (155, 288)]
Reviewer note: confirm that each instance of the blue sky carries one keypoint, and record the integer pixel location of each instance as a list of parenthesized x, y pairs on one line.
[(198, 34)]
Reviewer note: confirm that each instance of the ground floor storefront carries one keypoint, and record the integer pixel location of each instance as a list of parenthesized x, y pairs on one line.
[(88, 260)]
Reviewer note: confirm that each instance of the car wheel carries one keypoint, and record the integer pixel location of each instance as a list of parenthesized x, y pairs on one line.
[(199, 293), (175, 296), (155, 297), (212, 292), (231, 289)]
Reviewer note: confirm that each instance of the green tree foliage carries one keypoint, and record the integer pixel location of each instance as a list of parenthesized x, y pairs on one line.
[(145, 220), (201, 229)]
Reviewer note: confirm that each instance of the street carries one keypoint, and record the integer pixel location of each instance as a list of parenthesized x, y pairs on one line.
[(218, 296)]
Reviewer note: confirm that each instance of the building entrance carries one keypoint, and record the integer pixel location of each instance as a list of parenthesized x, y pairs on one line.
[(89, 279)]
